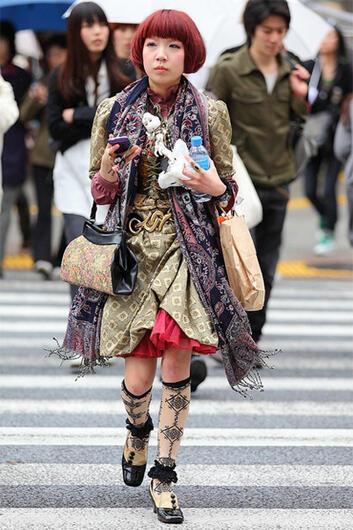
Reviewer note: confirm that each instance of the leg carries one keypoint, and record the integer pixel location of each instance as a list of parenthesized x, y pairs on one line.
[(136, 395), (311, 173), (10, 194), (332, 171), (175, 369), (24, 219), (268, 238), (42, 231)]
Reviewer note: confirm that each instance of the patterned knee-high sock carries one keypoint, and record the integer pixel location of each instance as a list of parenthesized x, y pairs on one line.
[(139, 424), (172, 419)]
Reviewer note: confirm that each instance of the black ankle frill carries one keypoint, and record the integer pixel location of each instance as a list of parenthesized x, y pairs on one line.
[(141, 431), (163, 473)]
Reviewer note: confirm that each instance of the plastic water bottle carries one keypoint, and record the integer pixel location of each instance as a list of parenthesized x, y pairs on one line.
[(199, 154)]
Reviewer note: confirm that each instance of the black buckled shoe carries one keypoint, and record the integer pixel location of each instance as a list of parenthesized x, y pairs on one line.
[(166, 507), (134, 461)]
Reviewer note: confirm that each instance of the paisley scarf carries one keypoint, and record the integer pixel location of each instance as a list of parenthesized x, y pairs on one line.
[(198, 236)]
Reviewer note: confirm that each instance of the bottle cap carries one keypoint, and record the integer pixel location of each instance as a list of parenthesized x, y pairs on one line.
[(196, 140)]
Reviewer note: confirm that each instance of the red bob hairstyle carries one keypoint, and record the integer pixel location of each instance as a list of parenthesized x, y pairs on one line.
[(171, 24)]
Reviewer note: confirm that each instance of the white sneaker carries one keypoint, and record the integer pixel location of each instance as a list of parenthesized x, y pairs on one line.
[(44, 268), (327, 245)]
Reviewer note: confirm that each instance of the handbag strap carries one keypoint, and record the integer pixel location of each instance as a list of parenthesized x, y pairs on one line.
[(92, 216)]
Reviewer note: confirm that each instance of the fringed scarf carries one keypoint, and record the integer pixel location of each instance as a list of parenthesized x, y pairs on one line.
[(198, 236)]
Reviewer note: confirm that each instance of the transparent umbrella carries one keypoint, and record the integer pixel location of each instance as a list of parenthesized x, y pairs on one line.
[(220, 22)]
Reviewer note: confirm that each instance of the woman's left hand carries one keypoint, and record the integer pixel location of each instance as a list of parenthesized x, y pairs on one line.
[(202, 180)]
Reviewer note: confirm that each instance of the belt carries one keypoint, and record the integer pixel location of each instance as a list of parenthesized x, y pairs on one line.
[(153, 222)]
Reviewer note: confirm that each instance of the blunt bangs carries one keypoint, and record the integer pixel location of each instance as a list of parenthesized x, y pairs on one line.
[(171, 24)]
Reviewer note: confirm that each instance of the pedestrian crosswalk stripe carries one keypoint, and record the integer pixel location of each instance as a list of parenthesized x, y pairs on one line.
[(274, 315), (284, 361), (111, 382), (198, 406), (310, 330), (225, 437), (34, 298), (308, 344), (203, 518), (297, 293), (309, 303), (314, 317), (190, 475), (59, 326)]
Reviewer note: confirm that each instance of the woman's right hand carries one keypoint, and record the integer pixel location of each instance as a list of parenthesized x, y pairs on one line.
[(108, 170)]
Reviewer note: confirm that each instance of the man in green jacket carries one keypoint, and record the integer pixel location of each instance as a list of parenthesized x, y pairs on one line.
[(262, 91)]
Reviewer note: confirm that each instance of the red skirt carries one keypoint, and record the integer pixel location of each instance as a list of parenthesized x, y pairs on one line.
[(166, 334)]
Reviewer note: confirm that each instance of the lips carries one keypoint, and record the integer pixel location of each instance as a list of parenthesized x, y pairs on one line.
[(160, 69)]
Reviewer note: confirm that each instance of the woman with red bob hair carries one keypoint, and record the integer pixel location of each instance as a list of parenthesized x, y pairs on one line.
[(182, 302)]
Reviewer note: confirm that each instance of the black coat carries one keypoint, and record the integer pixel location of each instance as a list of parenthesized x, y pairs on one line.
[(14, 157), (64, 135)]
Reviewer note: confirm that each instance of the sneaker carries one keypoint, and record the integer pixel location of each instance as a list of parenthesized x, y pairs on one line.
[(321, 231), (44, 268), (56, 274), (326, 245)]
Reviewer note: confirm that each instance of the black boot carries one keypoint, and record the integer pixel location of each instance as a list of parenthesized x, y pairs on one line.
[(134, 458)]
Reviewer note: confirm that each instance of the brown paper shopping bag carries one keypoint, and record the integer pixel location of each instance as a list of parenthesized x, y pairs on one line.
[(243, 269)]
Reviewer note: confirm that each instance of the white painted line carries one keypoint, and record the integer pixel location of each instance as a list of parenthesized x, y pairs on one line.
[(36, 285), (316, 317), (304, 292), (289, 303), (189, 475), (279, 362), (288, 346), (33, 326), (310, 330), (195, 518), (48, 311), (112, 382), (206, 407), (34, 298), (219, 437), (274, 315), (308, 345), (8, 343)]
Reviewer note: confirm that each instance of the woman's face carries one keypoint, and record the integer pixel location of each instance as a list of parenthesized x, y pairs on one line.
[(123, 36), (95, 36), (163, 61), (330, 43)]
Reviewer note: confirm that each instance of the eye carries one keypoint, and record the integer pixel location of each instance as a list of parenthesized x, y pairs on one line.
[(150, 44), (175, 46)]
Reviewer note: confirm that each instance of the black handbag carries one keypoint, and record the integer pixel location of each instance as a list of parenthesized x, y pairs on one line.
[(100, 259)]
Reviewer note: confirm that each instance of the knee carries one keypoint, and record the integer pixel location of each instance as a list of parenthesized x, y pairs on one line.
[(139, 386), (175, 366)]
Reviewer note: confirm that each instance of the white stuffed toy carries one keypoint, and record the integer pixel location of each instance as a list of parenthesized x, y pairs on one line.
[(173, 176)]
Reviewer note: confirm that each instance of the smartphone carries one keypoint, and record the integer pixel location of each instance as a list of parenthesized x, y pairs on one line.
[(123, 141)]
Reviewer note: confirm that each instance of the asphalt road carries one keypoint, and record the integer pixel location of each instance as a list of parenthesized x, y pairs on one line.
[(280, 461)]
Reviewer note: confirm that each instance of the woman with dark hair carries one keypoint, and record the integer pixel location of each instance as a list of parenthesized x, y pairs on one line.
[(331, 81), (123, 35), (182, 301), (89, 74)]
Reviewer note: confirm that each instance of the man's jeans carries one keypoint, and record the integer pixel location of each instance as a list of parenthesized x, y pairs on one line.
[(267, 238)]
